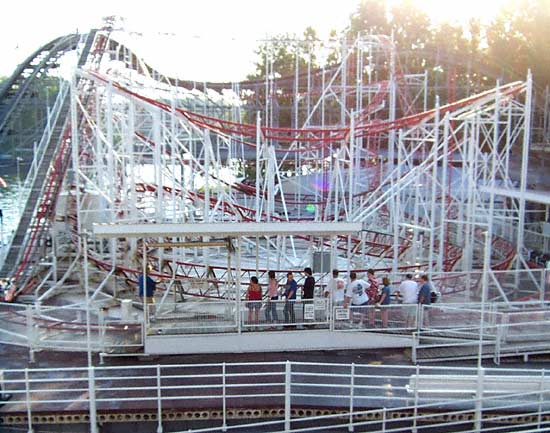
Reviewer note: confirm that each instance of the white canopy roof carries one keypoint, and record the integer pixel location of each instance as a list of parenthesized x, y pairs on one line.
[(232, 229)]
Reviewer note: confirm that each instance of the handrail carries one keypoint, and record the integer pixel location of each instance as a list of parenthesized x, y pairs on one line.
[(357, 391)]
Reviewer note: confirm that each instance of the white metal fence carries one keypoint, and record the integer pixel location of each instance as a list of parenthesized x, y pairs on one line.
[(68, 328), (497, 330), (301, 395), (441, 331)]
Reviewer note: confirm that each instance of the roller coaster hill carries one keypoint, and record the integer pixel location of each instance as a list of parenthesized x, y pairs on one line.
[(452, 188)]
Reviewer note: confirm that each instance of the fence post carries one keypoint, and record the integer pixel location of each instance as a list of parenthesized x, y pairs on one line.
[(351, 392), (479, 396), (498, 338), (224, 403), (415, 410), (159, 401), (541, 390), (30, 332), (331, 312), (288, 378), (415, 342), (28, 400), (91, 392)]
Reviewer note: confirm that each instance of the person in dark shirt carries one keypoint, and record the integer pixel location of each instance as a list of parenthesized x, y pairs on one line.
[(424, 298), (150, 286), (425, 291), (308, 289), (309, 284), (291, 288), (384, 301)]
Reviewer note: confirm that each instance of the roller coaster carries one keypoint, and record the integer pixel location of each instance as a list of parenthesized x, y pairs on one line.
[(438, 190), (443, 187)]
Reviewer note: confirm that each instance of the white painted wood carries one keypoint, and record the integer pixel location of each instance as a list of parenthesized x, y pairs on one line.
[(276, 341), (233, 229)]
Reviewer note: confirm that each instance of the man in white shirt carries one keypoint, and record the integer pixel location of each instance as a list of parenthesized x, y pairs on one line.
[(408, 290), (336, 288), (356, 293)]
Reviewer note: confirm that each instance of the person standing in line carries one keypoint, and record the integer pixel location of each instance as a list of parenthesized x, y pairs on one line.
[(424, 298), (272, 298), (308, 290), (384, 301), (373, 292), (408, 289), (147, 286), (335, 289), (291, 287), (254, 298), (356, 294), (309, 284), (374, 287)]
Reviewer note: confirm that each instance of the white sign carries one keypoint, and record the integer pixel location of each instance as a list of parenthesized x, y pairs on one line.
[(341, 314), (309, 312), (319, 304)]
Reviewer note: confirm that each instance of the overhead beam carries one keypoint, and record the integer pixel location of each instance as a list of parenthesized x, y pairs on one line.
[(188, 244), (236, 229), (532, 196)]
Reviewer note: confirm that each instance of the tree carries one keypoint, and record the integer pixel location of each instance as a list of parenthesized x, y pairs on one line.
[(518, 40), (278, 61), (371, 16)]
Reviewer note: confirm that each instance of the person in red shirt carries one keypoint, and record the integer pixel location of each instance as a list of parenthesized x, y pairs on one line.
[(254, 298), (372, 291)]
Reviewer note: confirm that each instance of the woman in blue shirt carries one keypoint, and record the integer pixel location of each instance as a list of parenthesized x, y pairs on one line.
[(384, 301)]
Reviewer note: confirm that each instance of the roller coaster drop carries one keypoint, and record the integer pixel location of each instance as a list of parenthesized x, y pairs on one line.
[(361, 145)]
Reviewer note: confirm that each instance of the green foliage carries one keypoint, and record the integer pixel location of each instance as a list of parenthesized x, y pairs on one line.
[(518, 39), (513, 42), (281, 52), (371, 16)]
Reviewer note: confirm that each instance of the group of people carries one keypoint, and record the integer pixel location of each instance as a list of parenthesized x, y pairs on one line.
[(361, 292), (413, 294), (357, 292), (254, 296)]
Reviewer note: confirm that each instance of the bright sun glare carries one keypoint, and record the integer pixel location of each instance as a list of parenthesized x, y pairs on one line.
[(230, 29), (458, 11)]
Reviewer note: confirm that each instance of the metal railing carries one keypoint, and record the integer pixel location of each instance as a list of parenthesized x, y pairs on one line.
[(222, 316), (66, 328), (301, 395), (508, 328)]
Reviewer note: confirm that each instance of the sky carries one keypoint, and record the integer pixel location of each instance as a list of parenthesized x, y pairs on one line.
[(211, 40)]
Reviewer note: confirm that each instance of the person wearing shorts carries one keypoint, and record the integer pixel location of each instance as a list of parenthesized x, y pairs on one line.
[(254, 298), (408, 289), (356, 293)]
